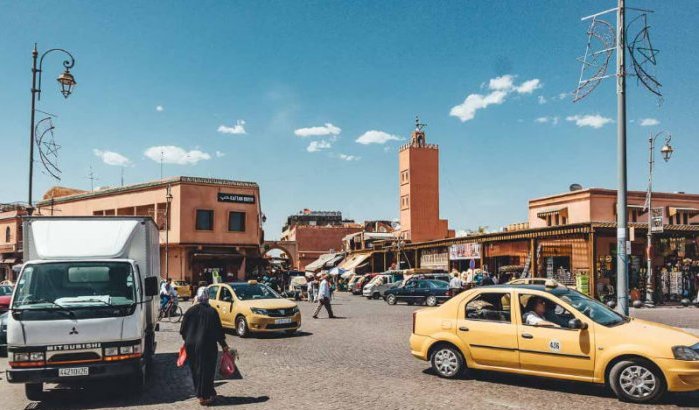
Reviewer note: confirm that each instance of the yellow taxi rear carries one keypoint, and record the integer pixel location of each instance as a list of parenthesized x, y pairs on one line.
[(183, 289), (552, 331)]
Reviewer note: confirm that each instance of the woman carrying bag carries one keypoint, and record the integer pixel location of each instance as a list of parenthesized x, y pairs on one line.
[(201, 330)]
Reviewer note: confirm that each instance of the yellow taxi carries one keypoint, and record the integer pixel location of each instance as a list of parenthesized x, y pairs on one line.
[(553, 331), (253, 307), (183, 289)]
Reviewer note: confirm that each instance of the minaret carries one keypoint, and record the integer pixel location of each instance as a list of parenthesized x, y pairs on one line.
[(418, 166)]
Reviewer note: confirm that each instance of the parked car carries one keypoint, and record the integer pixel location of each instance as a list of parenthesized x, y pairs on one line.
[(3, 334), (352, 282), (376, 288), (554, 331), (253, 307), (5, 296), (428, 291), (183, 289), (358, 287)]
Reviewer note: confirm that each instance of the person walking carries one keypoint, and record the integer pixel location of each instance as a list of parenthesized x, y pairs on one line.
[(324, 298), (455, 284), (201, 330)]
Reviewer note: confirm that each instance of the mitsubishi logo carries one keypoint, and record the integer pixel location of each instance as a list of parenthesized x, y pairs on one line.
[(73, 331)]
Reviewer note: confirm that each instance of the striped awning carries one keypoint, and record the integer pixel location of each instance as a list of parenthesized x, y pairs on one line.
[(557, 211)]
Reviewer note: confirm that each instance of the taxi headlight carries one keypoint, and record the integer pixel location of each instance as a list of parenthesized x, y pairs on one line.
[(295, 310), (686, 352), (259, 311)]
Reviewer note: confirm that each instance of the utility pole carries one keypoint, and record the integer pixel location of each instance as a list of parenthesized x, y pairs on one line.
[(622, 267), (91, 176)]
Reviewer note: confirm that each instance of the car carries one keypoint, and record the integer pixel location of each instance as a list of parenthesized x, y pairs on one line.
[(183, 289), (576, 338), (376, 288), (3, 334), (358, 286), (352, 282), (5, 297), (431, 292), (252, 307)]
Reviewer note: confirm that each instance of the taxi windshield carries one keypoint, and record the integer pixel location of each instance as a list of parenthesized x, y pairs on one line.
[(246, 291), (597, 311)]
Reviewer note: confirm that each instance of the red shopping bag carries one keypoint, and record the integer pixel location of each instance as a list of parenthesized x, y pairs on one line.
[(182, 357), (227, 365)]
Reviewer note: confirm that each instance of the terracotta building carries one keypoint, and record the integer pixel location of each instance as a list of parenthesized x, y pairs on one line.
[(214, 225), (10, 239), (316, 233), (418, 165)]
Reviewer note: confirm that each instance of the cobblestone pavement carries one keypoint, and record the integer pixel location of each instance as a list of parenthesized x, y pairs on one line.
[(358, 362)]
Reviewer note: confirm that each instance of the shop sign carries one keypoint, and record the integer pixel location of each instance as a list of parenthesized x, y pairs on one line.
[(465, 251), (434, 260), (656, 220), (236, 198)]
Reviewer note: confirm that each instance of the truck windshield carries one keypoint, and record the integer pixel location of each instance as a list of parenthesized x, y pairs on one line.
[(75, 285)]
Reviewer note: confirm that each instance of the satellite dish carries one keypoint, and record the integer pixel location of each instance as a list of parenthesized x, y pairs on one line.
[(575, 187)]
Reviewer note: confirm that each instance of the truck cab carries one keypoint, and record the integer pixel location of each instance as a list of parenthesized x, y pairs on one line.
[(84, 305)]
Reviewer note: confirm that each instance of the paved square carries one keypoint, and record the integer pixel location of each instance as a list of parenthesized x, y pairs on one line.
[(361, 361)]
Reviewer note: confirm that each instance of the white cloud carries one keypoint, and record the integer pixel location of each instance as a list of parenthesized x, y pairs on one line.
[(649, 122), (220, 154), (562, 96), (159, 108), (316, 146), (327, 129), (529, 86), (594, 121), (349, 157), (112, 158), (541, 99), (376, 137), (547, 120), (500, 88), (236, 129), (171, 154)]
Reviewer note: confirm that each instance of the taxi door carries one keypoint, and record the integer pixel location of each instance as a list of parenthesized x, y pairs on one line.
[(226, 306), (485, 324), (560, 350)]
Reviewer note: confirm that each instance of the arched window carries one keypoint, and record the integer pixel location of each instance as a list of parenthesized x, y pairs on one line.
[(7, 234)]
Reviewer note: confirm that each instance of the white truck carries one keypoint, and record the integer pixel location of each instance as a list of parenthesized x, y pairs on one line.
[(85, 305)]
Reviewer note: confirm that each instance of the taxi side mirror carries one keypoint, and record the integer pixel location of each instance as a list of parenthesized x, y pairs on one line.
[(577, 324)]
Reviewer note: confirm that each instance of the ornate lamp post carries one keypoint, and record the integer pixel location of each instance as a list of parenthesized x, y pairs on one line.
[(168, 198), (67, 82), (666, 152)]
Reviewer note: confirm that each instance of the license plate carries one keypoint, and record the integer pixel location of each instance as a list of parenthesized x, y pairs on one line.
[(74, 371), (282, 321)]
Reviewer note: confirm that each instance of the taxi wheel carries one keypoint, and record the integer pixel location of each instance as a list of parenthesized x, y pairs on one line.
[(431, 301), (34, 391), (637, 381), (241, 327), (391, 299), (448, 362)]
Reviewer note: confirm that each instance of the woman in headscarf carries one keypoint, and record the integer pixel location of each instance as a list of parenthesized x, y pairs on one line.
[(201, 330)]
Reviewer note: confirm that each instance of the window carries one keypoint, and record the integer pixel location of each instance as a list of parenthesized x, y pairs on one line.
[(225, 295), (212, 292), (404, 202), (205, 220), (8, 234), (548, 313), (236, 221), (491, 306)]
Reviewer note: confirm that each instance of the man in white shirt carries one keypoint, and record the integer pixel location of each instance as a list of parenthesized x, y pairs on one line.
[(455, 284), (324, 297)]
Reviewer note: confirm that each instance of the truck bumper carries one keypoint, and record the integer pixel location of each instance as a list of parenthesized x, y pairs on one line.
[(95, 371)]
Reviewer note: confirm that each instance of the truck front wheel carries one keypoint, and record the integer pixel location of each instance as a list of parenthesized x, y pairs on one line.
[(34, 391)]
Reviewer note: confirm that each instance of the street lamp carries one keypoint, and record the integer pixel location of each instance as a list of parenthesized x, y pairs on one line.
[(67, 82), (666, 152), (168, 199)]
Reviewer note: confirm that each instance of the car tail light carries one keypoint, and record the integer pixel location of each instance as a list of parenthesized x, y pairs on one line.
[(414, 315)]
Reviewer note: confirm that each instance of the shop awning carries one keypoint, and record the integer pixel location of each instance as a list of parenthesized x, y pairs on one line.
[(557, 211), (333, 261), (9, 261), (353, 261), (318, 263), (672, 211)]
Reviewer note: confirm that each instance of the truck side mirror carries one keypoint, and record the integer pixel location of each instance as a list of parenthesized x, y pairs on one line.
[(151, 286)]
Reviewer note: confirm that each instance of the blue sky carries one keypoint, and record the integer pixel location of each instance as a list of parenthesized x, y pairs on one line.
[(282, 71)]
